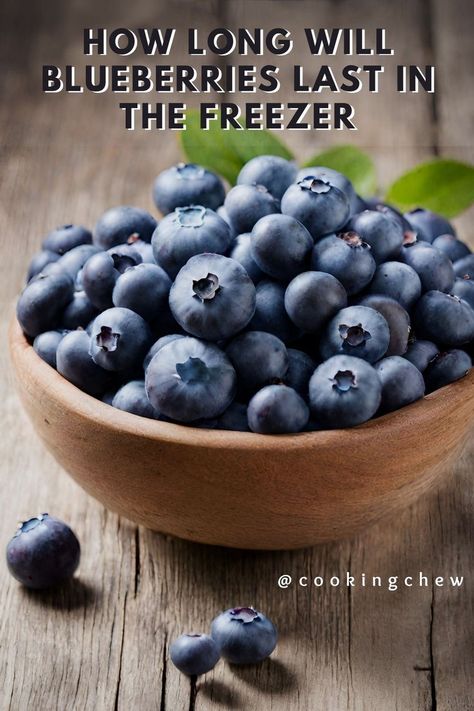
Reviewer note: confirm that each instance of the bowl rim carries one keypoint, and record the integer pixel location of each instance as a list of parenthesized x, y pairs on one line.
[(22, 354)]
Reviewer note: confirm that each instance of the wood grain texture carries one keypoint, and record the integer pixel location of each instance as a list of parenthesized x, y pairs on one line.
[(101, 644)]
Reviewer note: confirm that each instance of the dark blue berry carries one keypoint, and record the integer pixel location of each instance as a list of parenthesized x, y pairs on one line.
[(464, 289), (318, 205), (234, 418), (432, 266), (444, 319), (159, 344), (39, 262), (428, 225), (273, 172), (46, 344), (132, 397), (74, 363), (397, 280), (281, 246), (402, 383), (102, 270), (120, 339), (73, 261), (259, 359), (241, 251), (347, 257), (421, 353), (119, 224), (65, 238), (246, 204), (381, 230), (277, 409), (187, 184), (42, 301), (446, 368), (194, 654), (335, 178), (270, 314), (397, 318), (312, 298), (464, 267), (143, 289), (79, 312), (356, 331), (300, 369), (452, 247), (244, 635)]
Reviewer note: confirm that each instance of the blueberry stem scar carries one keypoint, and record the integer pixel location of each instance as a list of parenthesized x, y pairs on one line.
[(207, 287), (107, 339)]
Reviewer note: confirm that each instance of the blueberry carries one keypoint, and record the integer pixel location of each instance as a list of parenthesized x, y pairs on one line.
[(244, 635), (277, 409), (421, 353), (132, 397), (464, 267), (42, 301), (65, 238), (447, 367), (120, 339), (73, 261), (280, 246), (428, 225), (402, 383), (212, 297), (356, 331), (452, 247), (399, 281), (222, 212), (432, 266), (43, 553), (376, 204), (46, 344), (187, 232), (74, 363), (241, 252), (118, 224), (270, 314), (347, 257), (163, 341), (397, 318), (318, 205), (381, 230), (312, 298), (102, 270), (259, 359), (444, 318), (246, 204), (39, 262), (464, 289), (143, 289), (273, 172), (187, 184), (189, 379), (234, 418), (79, 312), (344, 392), (335, 178), (300, 369), (194, 654)]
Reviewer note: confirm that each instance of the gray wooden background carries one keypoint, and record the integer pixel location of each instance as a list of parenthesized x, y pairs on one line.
[(101, 644)]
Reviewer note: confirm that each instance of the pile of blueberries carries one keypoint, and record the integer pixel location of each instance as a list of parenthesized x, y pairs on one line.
[(289, 304)]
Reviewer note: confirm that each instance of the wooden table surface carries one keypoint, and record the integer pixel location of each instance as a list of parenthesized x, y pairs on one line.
[(102, 643)]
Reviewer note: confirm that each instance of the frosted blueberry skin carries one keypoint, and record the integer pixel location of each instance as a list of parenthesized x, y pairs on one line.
[(397, 318), (446, 368), (132, 398), (241, 251), (444, 319), (187, 184), (102, 270), (277, 409), (74, 362), (187, 232), (281, 246), (212, 297), (335, 178), (143, 289), (244, 635), (300, 369), (270, 313), (397, 280), (119, 224), (312, 298), (163, 341), (79, 312), (402, 383), (190, 380), (381, 230), (119, 339), (259, 359), (66, 237), (246, 204), (452, 247), (428, 225), (273, 172), (318, 205), (43, 553), (358, 331), (347, 257), (344, 392), (39, 262), (234, 418), (464, 267), (421, 353), (464, 289), (42, 301), (46, 344), (194, 654), (432, 266)]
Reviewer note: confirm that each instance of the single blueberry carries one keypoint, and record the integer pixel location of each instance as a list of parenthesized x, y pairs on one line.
[(46, 344), (312, 298), (432, 266), (143, 289), (464, 289), (356, 331), (65, 238), (452, 247), (187, 184), (344, 391), (421, 353), (39, 262), (464, 267), (318, 205), (273, 172), (102, 270), (381, 230), (189, 380), (281, 246), (443, 318), (446, 368), (397, 280), (120, 223), (300, 369), (212, 297), (73, 362), (246, 204), (79, 312), (43, 553), (402, 383), (234, 418), (277, 409), (244, 635), (332, 176), (132, 397), (428, 225), (270, 314), (241, 251), (259, 359), (42, 301), (187, 232), (397, 318), (194, 654), (347, 257), (120, 339)]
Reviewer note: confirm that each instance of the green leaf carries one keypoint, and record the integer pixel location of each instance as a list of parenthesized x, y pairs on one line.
[(351, 162), (442, 185), (225, 152)]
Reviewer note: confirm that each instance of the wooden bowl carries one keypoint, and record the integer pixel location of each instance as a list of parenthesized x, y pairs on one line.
[(240, 489)]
